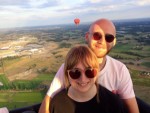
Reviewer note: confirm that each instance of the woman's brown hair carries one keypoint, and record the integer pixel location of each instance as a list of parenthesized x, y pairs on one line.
[(78, 54)]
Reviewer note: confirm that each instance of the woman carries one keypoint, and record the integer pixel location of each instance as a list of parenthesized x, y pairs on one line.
[(81, 93)]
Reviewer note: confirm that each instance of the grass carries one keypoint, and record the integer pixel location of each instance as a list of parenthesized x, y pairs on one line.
[(141, 81), (25, 84), (44, 77), (5, 81), (11, 60), (141, 85), (143, 92), (21, 98), (13, 99), (147, 64), (128, 48), (121, 47)]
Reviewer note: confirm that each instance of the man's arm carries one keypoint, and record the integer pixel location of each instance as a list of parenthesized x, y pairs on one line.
[(126, 91), (44, 108), (131, 105)]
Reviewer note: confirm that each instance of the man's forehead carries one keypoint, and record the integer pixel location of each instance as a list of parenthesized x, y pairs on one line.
[(103, 27), (96, 28)]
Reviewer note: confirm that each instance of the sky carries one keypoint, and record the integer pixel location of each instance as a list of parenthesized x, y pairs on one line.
[(19, 13)]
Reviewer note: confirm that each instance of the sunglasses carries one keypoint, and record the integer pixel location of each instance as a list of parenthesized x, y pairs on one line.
[(108, 37), (76, 73)]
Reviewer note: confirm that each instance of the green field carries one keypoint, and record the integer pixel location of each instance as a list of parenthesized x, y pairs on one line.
[(18, 91), (35, 83), (22, 93), (139, 80), (5, 82), (17, 99), (147, 64)]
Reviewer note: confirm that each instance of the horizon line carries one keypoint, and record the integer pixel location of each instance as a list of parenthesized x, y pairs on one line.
[(114, 20)]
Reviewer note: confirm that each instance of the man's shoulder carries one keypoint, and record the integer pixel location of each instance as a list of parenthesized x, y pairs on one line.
[(105, 94), (62, 66), (60, 71), (104, 91), (112, 60), (115, 65)]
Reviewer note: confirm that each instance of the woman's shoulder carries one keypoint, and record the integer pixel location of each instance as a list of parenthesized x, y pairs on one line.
[(61, 94), (61, 103), (104, 93)]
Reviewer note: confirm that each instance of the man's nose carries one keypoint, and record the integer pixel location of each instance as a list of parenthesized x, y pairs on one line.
[(102, 39)]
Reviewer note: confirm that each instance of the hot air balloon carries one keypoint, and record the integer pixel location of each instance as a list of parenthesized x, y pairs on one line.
[(76, 21)]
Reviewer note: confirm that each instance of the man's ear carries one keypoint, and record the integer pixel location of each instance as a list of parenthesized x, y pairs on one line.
[(114, 42)]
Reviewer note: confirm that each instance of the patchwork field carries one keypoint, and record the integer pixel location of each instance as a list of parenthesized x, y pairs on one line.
[(30, 59)]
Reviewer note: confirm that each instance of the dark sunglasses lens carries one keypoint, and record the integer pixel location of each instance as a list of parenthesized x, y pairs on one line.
[(109, 38), (97, 36), (90, 73), (74, 74)]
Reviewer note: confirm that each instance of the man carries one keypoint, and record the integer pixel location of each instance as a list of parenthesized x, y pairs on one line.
[(114, 75)]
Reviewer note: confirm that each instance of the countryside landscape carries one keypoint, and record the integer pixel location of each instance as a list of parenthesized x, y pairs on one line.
[(30, 57)]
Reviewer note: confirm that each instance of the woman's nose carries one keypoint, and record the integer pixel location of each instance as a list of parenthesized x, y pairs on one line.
[(83, 77)]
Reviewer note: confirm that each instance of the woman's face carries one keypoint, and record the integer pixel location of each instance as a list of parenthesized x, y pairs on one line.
[(82, 84)]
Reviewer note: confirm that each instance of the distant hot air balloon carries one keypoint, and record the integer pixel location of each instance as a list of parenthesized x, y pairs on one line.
[(76, 21)]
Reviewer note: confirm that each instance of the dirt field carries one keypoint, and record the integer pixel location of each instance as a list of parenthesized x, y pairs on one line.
[(142, 92)]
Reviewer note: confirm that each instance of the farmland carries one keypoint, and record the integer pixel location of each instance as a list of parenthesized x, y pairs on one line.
[(29, 58)]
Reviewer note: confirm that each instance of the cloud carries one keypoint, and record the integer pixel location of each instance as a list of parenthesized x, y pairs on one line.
[(34, 12), (143, 2), (12, 2), (102, 6), (29, 3), (43, 3)]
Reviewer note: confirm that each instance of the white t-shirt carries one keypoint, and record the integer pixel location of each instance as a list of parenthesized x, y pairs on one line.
[(4, 110), (114, 76)]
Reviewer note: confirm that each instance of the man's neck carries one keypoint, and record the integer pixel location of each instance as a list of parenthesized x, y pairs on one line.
[(102, 62)]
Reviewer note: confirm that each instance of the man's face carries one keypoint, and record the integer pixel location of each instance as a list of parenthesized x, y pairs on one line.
[(100, 47)]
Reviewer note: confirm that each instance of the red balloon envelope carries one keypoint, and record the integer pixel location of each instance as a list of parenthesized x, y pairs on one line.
[(77, 21)]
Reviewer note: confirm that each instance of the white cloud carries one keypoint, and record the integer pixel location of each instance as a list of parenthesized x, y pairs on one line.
[(137, 2), (36, 3), (95, 1), (27, 12), (12, 2), (143, 2)]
